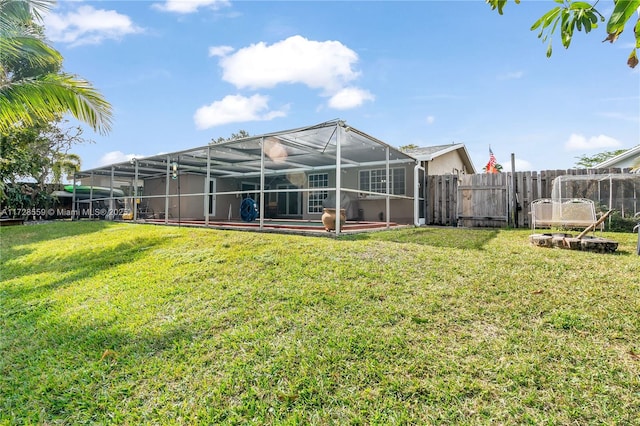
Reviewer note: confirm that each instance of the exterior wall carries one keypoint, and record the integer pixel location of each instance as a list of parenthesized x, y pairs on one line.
[(449, 163), (227, 206), (625, 163), (373, 208), (190, 207)]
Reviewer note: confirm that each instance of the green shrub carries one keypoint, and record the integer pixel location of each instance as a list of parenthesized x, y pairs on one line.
[(617, 223)]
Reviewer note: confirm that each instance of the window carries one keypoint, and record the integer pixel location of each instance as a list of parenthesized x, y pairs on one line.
[(375, 180), (319, 180)]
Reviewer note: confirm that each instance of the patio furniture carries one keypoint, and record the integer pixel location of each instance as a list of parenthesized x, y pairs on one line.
[(564, 213), (570, 215)]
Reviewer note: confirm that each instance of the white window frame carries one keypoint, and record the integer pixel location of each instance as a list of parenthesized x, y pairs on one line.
[(376, 181), (314, 202)]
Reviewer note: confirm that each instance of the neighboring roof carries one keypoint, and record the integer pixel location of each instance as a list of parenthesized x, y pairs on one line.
[(307, 148), (626, 159), (429, 153)]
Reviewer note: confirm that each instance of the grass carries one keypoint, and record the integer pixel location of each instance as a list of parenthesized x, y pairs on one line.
[(136, 324)]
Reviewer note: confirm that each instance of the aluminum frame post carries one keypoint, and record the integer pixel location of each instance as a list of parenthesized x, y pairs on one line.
[(387, 199), (166, 191), (339, 134), (207, 190), (262, 183), (112, 204), (416, 193), (135, 191)]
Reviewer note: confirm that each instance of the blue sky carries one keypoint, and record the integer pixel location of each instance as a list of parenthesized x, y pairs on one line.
[(180, 73)]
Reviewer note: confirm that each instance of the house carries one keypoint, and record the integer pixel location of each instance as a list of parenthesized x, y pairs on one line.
[(628, 159), (444, 159), (291, 175)]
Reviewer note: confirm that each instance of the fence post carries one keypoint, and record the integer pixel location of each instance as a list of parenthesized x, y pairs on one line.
[(514, 194)]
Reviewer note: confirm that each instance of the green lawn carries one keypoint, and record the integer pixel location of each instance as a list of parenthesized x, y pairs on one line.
[(138, 324)]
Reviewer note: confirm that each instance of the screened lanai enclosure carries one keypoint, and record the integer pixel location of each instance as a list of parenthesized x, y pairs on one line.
[(281, 180)]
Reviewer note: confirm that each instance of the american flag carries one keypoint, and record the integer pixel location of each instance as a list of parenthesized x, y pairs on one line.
[(491, 165)]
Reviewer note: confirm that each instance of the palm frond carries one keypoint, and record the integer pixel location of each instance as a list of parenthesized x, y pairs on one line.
[(23, 10), (48, 96), (30, 50)]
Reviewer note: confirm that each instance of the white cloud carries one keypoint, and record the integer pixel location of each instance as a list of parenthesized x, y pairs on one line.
[(581, 143), (430, 119), (325, 65), (189, 6), (220, 50), (87, 25), (350, 97), (114, 157), (521, 165), (235, 109)]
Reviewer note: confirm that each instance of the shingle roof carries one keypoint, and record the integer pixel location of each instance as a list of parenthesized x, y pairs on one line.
[(429, 151)]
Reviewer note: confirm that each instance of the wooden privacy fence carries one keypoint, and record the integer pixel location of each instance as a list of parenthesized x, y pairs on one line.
[(441, 201), (498, 200), (483, 200)]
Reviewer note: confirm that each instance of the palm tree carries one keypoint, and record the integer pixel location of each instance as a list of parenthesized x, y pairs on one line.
[(32, 87), (64, 164)]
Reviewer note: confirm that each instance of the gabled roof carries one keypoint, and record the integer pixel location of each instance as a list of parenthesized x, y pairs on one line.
[(429, 153), (626, 159)]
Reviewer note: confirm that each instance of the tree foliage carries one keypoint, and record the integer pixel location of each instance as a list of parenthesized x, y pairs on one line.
[(34, 95), (569, 16), (409, 147), (240, 135), (38, 155), (588, 161), (32, 86)]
